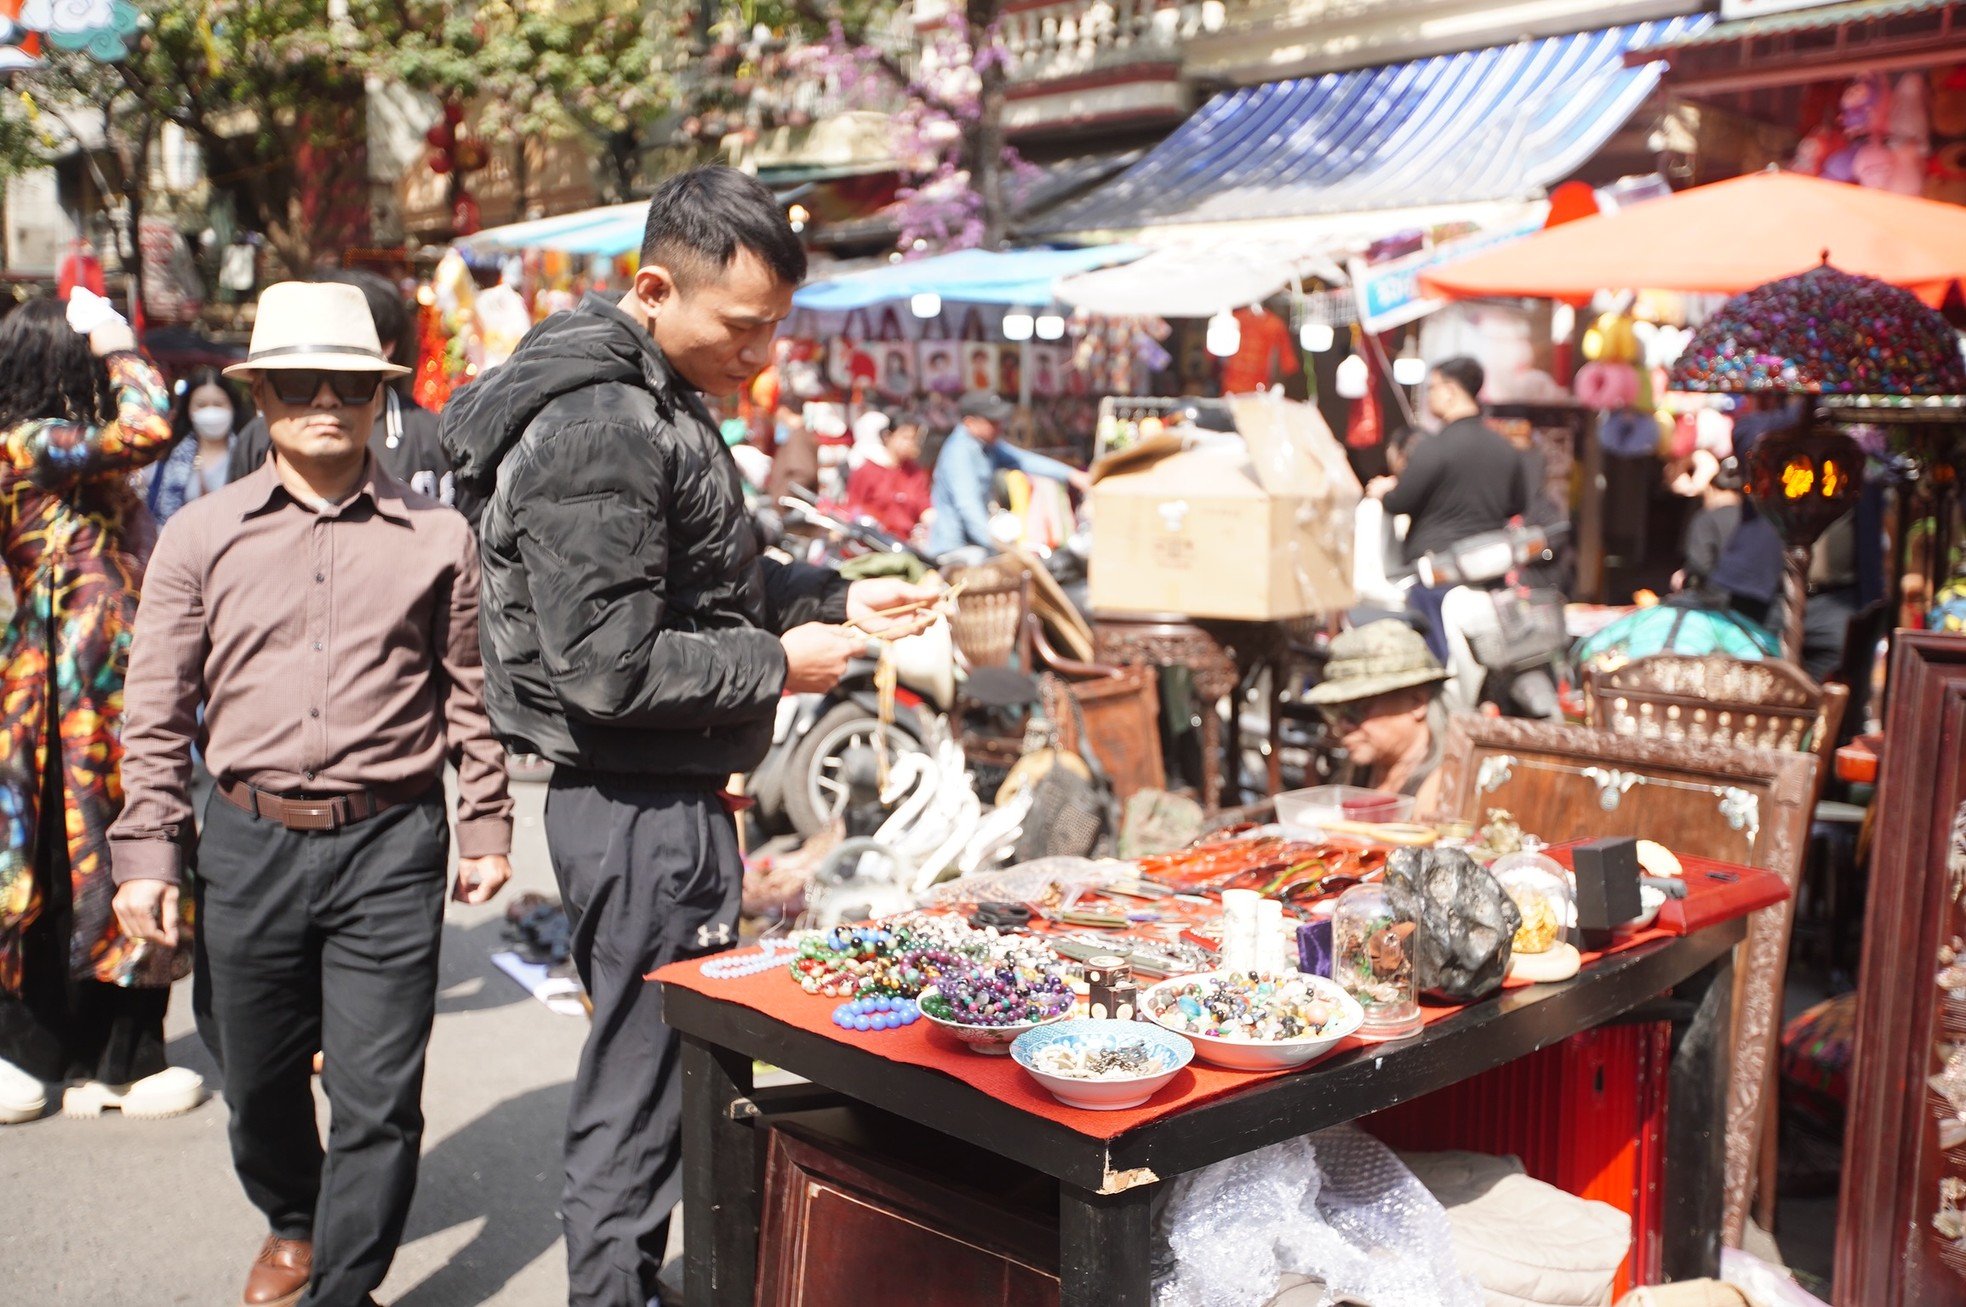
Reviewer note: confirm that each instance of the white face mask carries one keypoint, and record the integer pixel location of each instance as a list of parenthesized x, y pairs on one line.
[(211, 423)]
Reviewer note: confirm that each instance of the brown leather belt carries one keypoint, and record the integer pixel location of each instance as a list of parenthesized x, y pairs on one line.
[(330, 813)]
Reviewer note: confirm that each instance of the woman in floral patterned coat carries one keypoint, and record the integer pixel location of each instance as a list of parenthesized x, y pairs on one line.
[(80, 1003)]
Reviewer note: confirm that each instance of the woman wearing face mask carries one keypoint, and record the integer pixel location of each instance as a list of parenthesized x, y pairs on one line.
[(207, 418)]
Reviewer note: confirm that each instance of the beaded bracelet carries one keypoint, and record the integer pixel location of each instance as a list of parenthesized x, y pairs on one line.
[(876, 1014), (732, 966)]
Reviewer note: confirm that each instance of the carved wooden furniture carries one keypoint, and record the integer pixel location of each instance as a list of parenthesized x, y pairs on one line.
[(1901, 1229), (1220, 657), (1106, 1187), (1761, 705), (1750, 806), (1120, 707), (1720, 700)]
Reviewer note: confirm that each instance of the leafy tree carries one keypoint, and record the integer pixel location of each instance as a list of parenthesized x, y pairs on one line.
[(598, 71), (942, 89), (269, 89)]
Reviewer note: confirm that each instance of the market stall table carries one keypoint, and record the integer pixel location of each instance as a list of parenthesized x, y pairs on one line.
[(1108, 1164)]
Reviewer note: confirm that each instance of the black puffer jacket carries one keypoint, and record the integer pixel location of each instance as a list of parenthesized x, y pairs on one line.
[(628, 622)]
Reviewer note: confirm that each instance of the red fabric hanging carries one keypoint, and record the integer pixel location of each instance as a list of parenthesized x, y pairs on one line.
[(1366, 426)]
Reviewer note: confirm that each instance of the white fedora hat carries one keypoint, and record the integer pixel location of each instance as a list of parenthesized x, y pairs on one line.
[(323, 325)]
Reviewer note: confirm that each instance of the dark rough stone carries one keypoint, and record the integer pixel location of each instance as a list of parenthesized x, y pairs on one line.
[(1467, 921)]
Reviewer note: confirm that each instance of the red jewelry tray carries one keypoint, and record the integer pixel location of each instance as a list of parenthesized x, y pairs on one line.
[(1715, 891)]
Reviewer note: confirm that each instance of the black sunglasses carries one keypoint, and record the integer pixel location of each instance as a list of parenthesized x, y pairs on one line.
[(298, 386)]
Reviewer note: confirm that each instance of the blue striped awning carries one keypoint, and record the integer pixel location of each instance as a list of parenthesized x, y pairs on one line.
[(1495, 124)]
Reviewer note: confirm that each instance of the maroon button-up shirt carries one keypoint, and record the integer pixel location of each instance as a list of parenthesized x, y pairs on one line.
[(335, 651)]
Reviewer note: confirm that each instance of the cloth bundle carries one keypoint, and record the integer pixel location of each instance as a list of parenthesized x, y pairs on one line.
[(1529, 1244)]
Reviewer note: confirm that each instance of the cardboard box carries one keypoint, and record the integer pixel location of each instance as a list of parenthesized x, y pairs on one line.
[(1252, 529)]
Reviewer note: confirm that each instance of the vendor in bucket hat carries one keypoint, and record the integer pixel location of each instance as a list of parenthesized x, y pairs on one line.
[(1381, 693)]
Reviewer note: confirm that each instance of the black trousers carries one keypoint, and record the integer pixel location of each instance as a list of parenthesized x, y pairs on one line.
[(648, 876), (65, 1027), (323, 940)]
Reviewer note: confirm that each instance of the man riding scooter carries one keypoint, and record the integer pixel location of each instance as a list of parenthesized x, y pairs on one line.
[(1461, 481), (1461, 489)]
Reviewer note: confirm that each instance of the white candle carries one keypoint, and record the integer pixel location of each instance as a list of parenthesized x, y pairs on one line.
[(1240, 950)]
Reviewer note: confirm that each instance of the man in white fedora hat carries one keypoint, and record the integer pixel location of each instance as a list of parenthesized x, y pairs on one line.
[(327, 616)]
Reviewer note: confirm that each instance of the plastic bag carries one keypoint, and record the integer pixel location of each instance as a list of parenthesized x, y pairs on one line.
[(1337, 1205)]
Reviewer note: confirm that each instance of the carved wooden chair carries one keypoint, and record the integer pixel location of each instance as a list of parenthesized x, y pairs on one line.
[(1762, 705), (1724, 801)]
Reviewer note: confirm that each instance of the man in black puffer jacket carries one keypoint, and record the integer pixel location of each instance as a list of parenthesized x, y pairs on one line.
[(634, 638)]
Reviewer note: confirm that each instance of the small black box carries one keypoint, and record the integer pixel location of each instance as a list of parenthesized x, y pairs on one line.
[(1607, 885)]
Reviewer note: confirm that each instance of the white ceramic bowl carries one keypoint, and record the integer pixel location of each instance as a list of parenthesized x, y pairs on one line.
[(994, 1040), (1103, 1095), (1650, 901), (1253, 1055)]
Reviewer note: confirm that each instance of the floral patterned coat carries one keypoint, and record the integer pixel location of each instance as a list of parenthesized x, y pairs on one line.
[(75, 536)]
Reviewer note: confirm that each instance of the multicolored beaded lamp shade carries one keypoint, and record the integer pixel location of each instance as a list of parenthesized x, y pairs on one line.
[(1824, 333)]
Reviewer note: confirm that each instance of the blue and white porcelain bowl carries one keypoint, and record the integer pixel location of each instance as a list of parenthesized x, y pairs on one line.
[(1165, 1054)]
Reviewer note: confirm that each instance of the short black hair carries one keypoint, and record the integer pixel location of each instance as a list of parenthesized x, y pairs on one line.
[(1463, 372), (386, 305), (700, 219)]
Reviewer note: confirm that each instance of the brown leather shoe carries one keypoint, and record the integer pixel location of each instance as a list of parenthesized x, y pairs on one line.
[(279, 1274)]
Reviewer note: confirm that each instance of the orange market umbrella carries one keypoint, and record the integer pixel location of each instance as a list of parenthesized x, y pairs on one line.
[(1723, 239)]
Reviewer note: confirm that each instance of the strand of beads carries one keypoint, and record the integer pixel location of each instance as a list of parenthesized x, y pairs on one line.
[(731, 966), (876, 1014), (1000, 996), (850, 961)]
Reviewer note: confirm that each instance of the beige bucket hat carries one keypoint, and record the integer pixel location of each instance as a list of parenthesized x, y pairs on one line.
[(1374, 659), (323, 325)]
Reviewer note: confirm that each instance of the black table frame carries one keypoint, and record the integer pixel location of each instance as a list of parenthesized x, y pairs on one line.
[(1106, 1186)]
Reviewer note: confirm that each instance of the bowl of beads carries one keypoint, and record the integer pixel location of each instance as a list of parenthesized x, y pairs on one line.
[(1102, 1065), (989, 1007), (1266, 1021)]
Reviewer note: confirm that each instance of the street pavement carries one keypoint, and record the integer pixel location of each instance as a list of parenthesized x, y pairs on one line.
[(148, 1213)]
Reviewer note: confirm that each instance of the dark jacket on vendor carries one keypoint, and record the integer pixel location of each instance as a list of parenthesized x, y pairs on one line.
[(1460, 482), (615, 537)]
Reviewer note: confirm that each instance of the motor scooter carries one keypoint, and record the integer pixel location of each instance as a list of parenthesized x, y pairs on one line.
[(1505, 646)]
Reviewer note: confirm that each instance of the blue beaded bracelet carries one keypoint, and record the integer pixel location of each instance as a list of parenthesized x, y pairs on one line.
[(876, 1014)]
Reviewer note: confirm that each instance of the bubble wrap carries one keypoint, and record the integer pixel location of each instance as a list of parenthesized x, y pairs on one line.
[(1336, 1205), (1027, 882)]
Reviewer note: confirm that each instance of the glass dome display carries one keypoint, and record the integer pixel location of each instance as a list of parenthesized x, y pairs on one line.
[(1373, 959)]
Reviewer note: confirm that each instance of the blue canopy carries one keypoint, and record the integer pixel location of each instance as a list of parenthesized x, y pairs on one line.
[(611, 229), (1481, 125), (1009, 277)]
